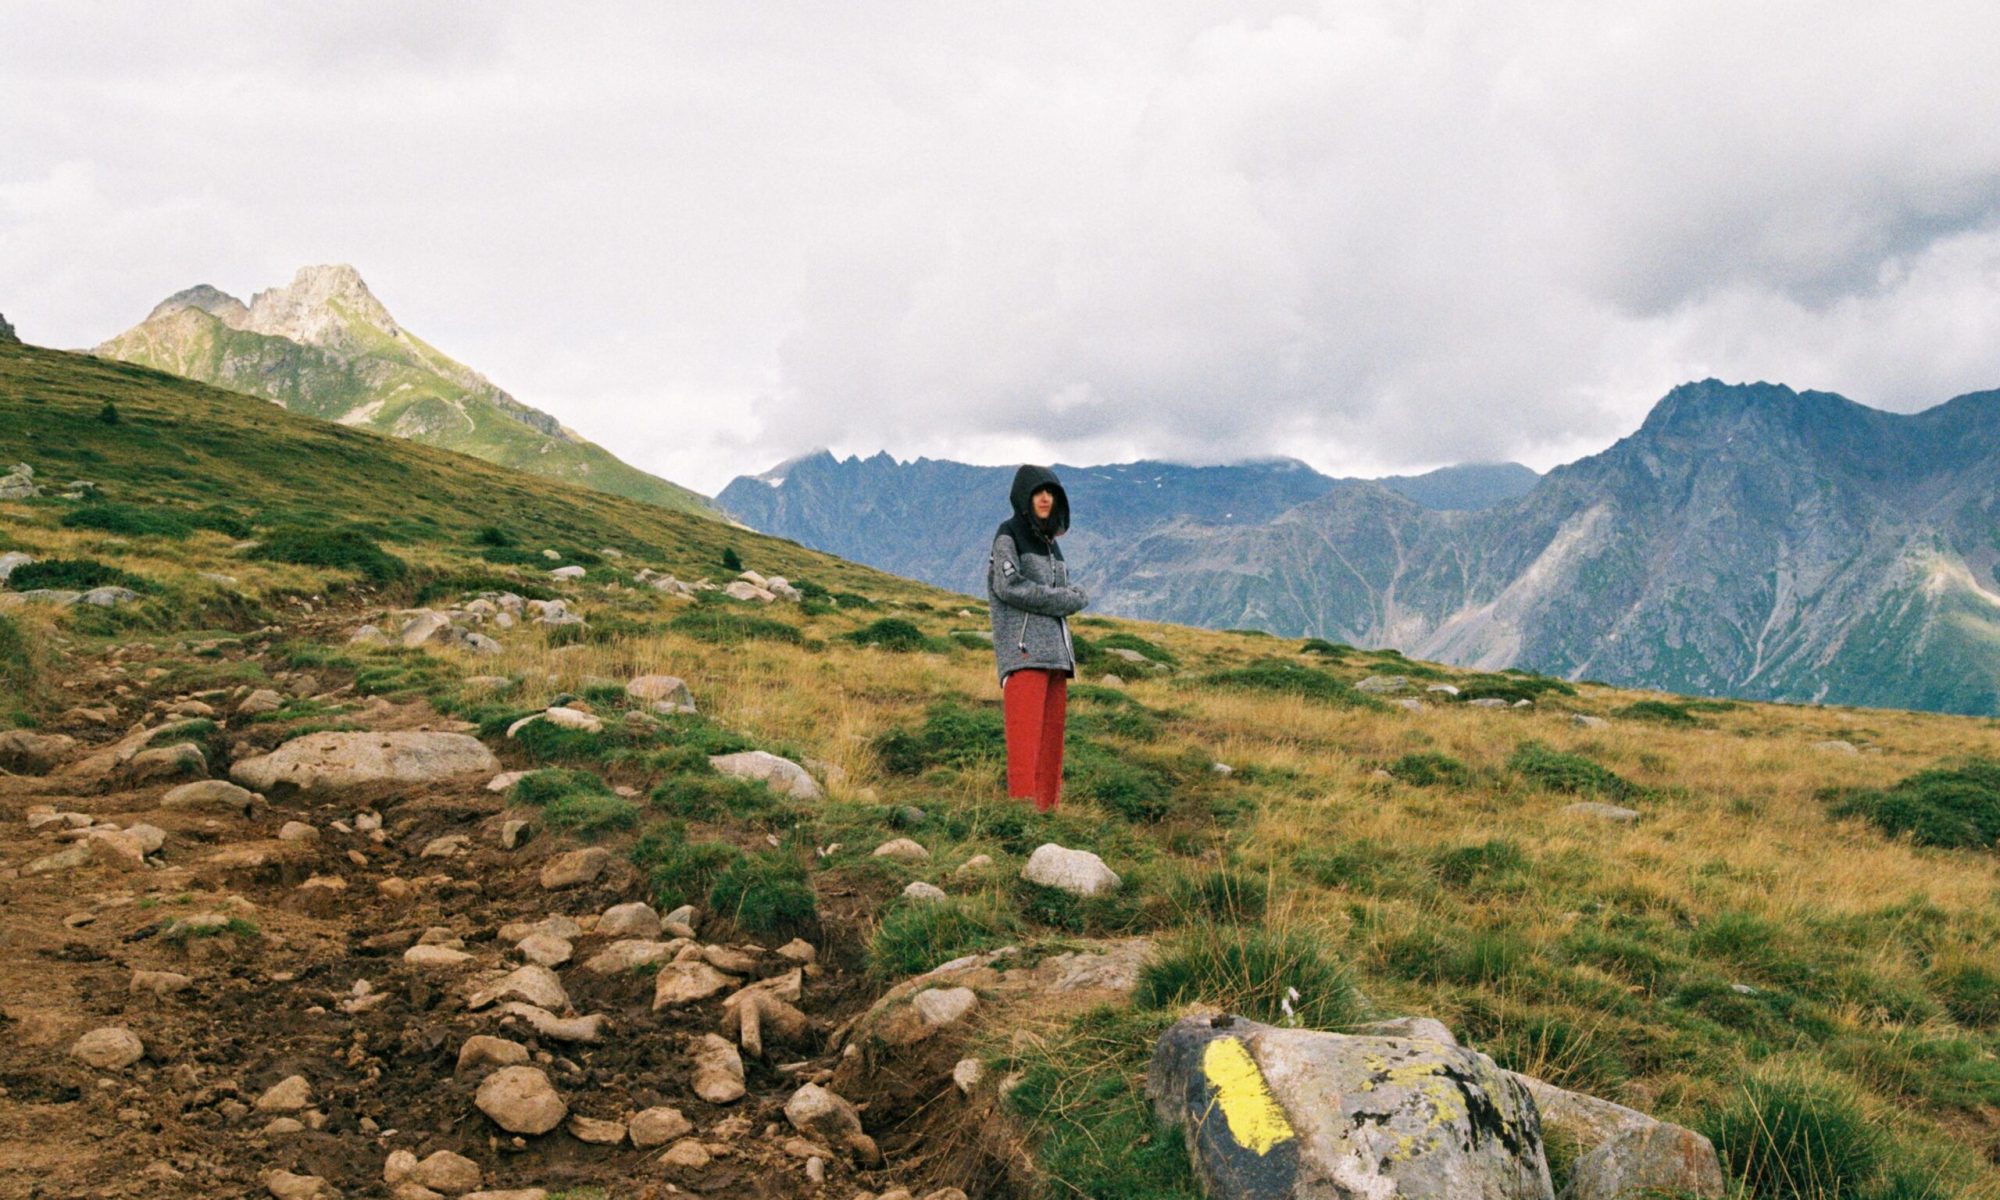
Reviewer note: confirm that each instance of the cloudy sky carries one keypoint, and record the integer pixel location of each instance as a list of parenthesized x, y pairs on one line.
[(1375, 236)]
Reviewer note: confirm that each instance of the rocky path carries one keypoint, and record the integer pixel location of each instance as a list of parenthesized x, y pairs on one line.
[(374, 987)]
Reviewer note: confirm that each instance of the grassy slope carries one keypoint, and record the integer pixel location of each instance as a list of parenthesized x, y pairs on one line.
[(1601, 957), (194, 344)]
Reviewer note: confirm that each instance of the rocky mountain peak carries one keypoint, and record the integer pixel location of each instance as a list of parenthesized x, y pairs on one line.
[(7, 333), (327, 306), (211, 300)]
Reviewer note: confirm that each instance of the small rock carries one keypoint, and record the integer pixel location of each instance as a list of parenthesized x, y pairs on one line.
[(1836, 746), (570, 718), (1601, 811), (286, 1186), (657, 1127), (297, 831), (451, 845), (435, 956), (1078, 872), (112, 1048), (818, 1112), (446, 1172), (966, 1074), (533, 983), (686, 1153), (718, 1070), (799, 951), (261, 701), (481, 1052), (512, 833), (284, 1127), (505, 780), (687, 983), (781, 775), (597, 1132), (521, 1100), (634, 920), (902, 850), (159, 983), (629, 954), (289, 1095), (973, 866), (545, 950), (575, 868), (939, 1007), (921, 891), (667, 693), (1585, 721)]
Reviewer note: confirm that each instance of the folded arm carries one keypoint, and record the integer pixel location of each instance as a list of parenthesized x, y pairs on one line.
[(1005, 580)]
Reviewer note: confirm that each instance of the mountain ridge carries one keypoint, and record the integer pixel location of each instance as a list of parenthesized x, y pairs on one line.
[(325, 345)]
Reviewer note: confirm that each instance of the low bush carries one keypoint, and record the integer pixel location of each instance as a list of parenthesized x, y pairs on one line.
[(1323, 647), (915, 936), (1511, 686), (1790, 1135), (1969, 989), (1430, 770), (723, 626), (896, 634), (1278, 976), (1955, 807), (577, 801), (1138, 645), (73, 575), (344, 548), (766, 894), (1660, 712), (1134, 790), (1482, 867), (951, 736), (1556, 771), (1290, 679), (709, 796), (679, 869)]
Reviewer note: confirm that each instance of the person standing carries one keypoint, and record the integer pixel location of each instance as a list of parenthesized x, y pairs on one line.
[(1031, 599)]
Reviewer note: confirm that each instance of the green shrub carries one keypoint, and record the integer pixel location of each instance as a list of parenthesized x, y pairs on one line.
[(893, 633), (680, 870), (577, 801), (74, 575), (951, 736), (1324, 647), (1511, 687), (852, 600), (1556, 771), (917, 935), (766, 894), (1431, 769), (345, 548), (1955, 807), (707, 797), (731, 561), (1138, 645), (1969, 990), (1254, 972), (1291, 679), (723, 626), (1221, 895), (1135, 791), (1486, 866), (1660, 712), (1786, 1136)]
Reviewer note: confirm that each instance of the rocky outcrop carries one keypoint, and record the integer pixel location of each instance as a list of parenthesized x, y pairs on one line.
[(1269, 1113), (335, 762)]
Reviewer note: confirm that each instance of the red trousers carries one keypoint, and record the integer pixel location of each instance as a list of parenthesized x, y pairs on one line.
[(1036, 703)]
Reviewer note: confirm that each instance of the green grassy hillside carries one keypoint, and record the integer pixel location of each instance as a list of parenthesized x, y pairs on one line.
[(1791, 935)]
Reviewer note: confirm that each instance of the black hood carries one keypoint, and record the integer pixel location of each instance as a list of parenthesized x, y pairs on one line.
[(1027, 481)]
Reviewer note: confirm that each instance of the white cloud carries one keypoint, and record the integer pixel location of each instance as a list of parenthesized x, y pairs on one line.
[(1374, 235)]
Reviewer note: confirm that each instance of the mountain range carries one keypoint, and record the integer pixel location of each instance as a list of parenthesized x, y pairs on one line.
[(326, 347), (1746, 540)]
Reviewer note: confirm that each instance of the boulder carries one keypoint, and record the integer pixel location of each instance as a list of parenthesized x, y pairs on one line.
[(1078, 872), (902, 850), (938, 1007), (596, 1131), (112, 1048), (446, 1172), (781, 775), (1376, 685), (923, 892), (425, 627), (588, 1030), (481, 1052), (32, 753), (718, 1070), (817, 1112), (331, 762), (627, 954), (288, 1095), (183, 761), (1624, 1152), (657, 1126), (521, 1100), (687, 983), (666, 693), (216, 796), (533, 983), (575, 868), (11, 561), (634, 920), (1586, 721), (1270, 1112)]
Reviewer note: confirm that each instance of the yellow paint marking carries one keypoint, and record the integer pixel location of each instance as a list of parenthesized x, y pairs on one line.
[(1256, 1123)]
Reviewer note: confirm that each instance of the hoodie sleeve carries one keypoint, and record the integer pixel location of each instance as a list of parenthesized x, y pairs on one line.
[(1005, 581)]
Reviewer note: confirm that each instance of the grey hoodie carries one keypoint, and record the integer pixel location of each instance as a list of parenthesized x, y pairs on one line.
[(1028, 584)]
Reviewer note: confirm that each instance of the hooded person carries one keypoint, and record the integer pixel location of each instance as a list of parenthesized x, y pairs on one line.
[(1031, 598)]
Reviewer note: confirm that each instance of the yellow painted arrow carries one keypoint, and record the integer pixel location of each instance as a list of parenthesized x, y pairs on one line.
[(1256, 1123)]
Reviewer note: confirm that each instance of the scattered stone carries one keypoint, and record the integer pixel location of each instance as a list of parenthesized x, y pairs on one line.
[(158, 763), (152, 839), (666, 693), (1586, 721), (1078, 872), (336, 761), (817, 1112), (1376, 685), (799, 951), (634, 920), (718, 1070), (569, 572), (926, 892), (1442, 689), (966, 1074), (116, 849), (563, 717), (533, 983), (1601, 811), (902, 850), (481, 1052), (1410, 704), (545, 950), (112, 1048), (62, 860), (297, 831), (521, 1100), (781, 775), (451, 845), (588, 1030), (684, 983), (259, 702), (512, 833), (657, 1126), (289, 1095), (159, 983), (686, 1153), (1625, 1152), (446, 1172), (31, 753), (628, 954), (1487, 702), (284, 1127), (286, 1186), (435, 956), (1835, 746), (973, 866), (938, 1007), (597, 1132), (575, 868), (505, 780)]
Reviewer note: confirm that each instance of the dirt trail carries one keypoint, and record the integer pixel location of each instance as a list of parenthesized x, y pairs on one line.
[(309, 979)]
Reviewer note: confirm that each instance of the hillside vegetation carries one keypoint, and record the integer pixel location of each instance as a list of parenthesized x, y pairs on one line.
[(1797, 931)]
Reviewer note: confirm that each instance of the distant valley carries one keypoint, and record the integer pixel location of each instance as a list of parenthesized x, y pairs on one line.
[(324, 346), (1747, 540)]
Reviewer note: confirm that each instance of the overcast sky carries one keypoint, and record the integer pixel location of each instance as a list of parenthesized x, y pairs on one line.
[(1375, 236)]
